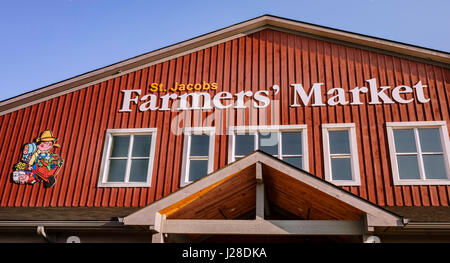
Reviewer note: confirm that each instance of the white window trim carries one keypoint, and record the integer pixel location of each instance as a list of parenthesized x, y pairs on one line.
[(232, 130), (442, 125), (104, 168), (188, 131), (350, 127)]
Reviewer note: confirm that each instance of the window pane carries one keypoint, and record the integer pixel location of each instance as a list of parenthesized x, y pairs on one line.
[(244, 144), (268, 142), (197, 169), (430, 140), (117, 170), (408, 167), (120, 146), (295, 161), (405, 141), (141, 145), (339, 142), (139, 170), (341, 169), (199, 145), (292, 142), (434, 166)]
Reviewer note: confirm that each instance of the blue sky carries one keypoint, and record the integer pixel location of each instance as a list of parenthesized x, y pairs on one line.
[(47, 41)]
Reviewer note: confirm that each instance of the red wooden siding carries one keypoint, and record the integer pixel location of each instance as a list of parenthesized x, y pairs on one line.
[(254, 62)]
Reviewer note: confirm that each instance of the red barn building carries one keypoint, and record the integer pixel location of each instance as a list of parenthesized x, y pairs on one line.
[(267, 130)]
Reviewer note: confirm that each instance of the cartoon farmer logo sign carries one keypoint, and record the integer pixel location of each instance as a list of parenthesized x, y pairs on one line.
[(38, 163)]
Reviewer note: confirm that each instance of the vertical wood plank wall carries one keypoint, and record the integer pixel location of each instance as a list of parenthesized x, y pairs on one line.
[(254, 62)]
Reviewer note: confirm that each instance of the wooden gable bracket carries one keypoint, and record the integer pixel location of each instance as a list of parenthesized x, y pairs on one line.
[(260, 197), (374, 216)]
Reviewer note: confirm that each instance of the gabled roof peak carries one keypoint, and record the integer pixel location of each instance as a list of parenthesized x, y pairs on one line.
[(213, 38)]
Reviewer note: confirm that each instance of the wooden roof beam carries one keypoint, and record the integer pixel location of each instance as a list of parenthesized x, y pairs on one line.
[(260, 226)]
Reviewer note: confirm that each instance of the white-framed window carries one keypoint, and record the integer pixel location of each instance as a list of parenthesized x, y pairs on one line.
[(286, 142), (340, 154), (128, 158), (198, 152), (419, 152)]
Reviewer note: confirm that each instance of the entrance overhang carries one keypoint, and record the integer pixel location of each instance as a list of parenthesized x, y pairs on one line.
[(262, 195)]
